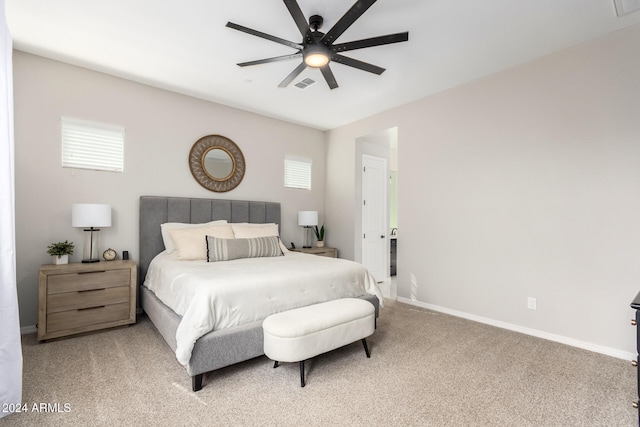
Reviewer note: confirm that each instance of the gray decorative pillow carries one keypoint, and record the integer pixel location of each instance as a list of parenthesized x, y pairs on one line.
[(228, 249)]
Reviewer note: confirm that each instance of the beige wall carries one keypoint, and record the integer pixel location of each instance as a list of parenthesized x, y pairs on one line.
[(161, 127), (522, 184)]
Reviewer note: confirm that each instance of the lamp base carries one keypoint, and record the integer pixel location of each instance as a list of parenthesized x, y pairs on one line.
[(307, 237), (91, 242)]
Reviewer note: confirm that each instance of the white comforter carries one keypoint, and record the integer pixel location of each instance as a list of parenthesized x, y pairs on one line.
[(218, 295)]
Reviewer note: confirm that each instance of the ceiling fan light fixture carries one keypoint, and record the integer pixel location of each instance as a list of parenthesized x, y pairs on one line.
[(316, 56)]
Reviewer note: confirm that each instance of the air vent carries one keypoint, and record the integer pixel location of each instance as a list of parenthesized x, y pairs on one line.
[(303, 84)]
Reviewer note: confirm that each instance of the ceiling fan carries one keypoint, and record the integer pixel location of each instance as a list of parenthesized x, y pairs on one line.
[(317, 49)]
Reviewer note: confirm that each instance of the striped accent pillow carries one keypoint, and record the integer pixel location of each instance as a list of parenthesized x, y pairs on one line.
[(228, 249)]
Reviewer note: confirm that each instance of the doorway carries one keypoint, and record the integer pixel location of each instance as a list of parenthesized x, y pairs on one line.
[(383, 145)]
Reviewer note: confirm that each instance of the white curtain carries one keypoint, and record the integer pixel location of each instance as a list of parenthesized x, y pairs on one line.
[(10, 349)]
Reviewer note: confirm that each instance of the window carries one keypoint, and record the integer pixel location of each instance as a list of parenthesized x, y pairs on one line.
[(87, 145), (297, 172)]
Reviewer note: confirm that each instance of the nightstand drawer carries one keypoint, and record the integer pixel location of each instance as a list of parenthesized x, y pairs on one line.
[(66, 320), (320, 251), (87, 299), (83, 281), (331, 253)]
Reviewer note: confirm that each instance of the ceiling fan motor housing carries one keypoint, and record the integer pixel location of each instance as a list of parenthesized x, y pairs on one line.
[(315, 22)]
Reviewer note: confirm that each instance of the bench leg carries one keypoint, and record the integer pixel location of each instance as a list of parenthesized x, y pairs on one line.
[(302, 373), (196, 382), (366, 349)]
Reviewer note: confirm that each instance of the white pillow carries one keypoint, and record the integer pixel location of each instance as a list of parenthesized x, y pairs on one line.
[(245, 230), (191, 243), (166, 237)]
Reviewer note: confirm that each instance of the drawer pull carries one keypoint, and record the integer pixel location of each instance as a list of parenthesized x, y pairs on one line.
[(633, 322), (92, 290), (92, 272), (91, 308), (635, 404)]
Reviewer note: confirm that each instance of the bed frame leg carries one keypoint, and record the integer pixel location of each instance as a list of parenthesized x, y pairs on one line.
[(366, 349), (302, 373), (196, 382)]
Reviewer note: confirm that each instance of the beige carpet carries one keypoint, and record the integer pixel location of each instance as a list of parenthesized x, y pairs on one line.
[(426, 369)]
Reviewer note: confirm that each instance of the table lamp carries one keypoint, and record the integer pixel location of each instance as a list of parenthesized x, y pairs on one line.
[(307, 219), (90, 217)]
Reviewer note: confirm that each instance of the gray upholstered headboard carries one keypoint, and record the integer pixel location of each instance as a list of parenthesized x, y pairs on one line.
[(155, 210)]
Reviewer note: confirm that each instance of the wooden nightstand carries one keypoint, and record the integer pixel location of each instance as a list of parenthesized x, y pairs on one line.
[(76, 297), (329, 252)]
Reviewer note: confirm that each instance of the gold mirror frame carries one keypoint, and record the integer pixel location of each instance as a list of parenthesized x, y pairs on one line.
[(199, 172)]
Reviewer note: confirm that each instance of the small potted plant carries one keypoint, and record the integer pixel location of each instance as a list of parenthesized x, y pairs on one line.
[(60, 252), (319, 235)]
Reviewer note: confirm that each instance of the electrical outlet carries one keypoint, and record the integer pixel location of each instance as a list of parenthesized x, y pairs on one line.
[(531, 303)]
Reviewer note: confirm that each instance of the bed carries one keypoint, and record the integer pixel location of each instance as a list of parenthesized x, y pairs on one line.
[(220, 347)]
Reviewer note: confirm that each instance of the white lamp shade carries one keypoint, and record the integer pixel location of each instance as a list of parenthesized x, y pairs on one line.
[(307, 218), (90, 215)]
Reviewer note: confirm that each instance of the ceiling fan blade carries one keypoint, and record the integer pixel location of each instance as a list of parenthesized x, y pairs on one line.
[(328, 76), (264, 35), (300, 20), (347, 19), (300, 68), (268, 60), (357, 64), (373, 41)]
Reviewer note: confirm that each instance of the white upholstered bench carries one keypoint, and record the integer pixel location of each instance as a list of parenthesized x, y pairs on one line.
[(302, 333)]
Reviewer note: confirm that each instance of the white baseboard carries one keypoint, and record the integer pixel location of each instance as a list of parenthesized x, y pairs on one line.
[(620, 354), (28, 330)]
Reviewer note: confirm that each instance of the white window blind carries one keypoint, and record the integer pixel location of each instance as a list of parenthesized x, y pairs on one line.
[(88, 145), (297, 172)]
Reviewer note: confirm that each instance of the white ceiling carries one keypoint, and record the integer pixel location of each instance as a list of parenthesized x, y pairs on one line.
[(185, 47)]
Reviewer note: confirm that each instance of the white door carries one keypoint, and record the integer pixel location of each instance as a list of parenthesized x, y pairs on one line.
[(375, 254)]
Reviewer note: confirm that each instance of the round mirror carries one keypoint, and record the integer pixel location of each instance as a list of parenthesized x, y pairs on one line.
[(216, 163)]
